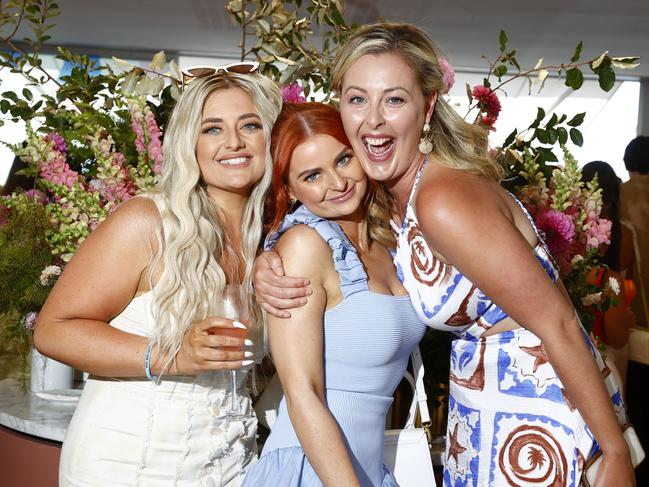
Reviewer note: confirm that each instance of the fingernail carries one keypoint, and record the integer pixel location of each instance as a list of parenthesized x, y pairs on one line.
[(306, 282), (302, 301), (248, 342), (245, 363), (248, 354), (238, 324), (309, 291)]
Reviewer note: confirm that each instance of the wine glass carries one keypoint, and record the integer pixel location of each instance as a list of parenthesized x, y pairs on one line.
[(234, 305)]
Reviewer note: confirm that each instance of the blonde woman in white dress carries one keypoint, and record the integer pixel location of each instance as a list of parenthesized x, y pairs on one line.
[(143, 284)]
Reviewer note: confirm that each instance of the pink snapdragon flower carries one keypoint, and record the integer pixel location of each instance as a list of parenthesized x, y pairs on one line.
[(138, 130), (155, 145), (448, 74), (58, 171), (147, 134), (293, 93), (598, 233)]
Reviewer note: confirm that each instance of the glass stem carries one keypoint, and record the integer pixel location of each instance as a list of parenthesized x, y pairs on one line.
[(233, 376)]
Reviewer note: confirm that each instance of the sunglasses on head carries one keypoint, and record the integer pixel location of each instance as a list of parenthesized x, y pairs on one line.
[(245, 67)]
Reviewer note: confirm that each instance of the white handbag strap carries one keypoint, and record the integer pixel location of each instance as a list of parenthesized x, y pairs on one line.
[(419, 392)]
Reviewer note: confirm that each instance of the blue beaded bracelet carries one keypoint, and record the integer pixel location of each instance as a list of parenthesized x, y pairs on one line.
[(147, 361)]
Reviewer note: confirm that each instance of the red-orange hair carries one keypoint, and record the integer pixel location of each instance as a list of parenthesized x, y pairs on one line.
[(296, 123)]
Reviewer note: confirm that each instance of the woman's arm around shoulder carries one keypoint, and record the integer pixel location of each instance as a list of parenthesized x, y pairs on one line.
[(297, 347)]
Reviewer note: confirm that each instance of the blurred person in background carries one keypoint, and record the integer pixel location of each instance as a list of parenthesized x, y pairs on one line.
[(634, 209)]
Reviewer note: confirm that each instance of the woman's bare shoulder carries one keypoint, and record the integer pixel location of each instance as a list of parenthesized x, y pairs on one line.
[(303, 249), (447, 196)]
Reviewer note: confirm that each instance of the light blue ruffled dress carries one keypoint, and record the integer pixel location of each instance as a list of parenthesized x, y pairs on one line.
[(368, 338)]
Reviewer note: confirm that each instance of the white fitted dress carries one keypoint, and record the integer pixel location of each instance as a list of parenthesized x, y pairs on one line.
[(134, 432)]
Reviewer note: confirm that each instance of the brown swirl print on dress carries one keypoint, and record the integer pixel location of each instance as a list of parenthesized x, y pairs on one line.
[(425, 267), (477, 380), (534, 446), (461, 317)]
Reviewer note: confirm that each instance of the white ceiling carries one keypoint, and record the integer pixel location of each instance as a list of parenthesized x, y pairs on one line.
[(463, 28)]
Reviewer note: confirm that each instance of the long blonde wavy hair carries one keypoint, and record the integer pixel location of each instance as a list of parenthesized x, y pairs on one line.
[(193, 236), (456, 143)]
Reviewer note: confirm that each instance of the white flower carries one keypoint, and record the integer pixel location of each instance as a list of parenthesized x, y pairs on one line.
[(576, 259), (48, 272), (591, 299), (614, 285)]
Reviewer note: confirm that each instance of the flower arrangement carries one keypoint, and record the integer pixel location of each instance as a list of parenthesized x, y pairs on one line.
[(568, 212)]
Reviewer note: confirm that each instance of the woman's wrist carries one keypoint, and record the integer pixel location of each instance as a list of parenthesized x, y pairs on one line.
[(615, 446)]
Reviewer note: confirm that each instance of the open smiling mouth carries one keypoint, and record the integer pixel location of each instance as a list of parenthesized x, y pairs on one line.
[(378, 148), (235, 161)]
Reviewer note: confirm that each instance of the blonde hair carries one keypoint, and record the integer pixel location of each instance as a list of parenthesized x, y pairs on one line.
[(456, 143), (193, 235)]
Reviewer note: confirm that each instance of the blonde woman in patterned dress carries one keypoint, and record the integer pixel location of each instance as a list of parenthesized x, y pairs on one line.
[(528, 406), (146, 281)]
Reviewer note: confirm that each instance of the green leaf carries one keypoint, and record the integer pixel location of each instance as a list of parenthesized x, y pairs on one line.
[(577, 54), (577, 119), (552, 122), (552, 136), (500, 71), (503, 41), (541, 135), (576, 137), (540, 115), (546, 155), (574, 78), (606, 76), (337, 17), (562, 135), (28, 94), (10, 95), (510, 138)]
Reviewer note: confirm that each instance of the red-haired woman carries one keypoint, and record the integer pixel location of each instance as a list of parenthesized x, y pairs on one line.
[(340, 356)]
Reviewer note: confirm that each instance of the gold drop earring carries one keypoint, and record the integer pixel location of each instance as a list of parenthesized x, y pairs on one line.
[(425, 144)]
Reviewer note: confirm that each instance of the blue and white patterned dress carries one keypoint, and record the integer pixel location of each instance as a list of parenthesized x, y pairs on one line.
[(368, 338), (509, 420)]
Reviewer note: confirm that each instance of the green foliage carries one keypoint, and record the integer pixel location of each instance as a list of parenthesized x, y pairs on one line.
[(24, 253), (282, 32)]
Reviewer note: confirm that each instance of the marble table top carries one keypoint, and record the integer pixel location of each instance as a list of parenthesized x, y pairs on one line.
[(25, 412)]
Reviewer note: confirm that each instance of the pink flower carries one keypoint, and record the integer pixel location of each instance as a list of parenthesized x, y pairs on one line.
[(559, 230), (293, 93), (448, 74), (140, 145), (598, 233), (154, 146), (57, 171), (488, 104), (58, 142), (30, 321), (37, 195)]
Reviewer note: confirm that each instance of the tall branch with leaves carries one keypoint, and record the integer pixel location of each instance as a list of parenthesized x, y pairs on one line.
[(284, 38)]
